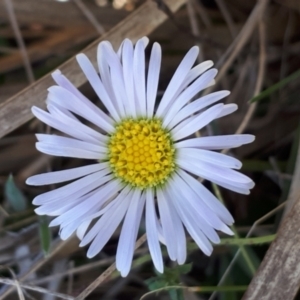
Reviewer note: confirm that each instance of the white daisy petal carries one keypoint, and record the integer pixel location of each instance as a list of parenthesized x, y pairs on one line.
[(62, 81), (152, 232), (190, 224), (91, 203), (78, 188), (66, 175), (68, 100), (167, 224), (82, 228), (197, 123), (139, 76), (217, 142), (199, 218), (196, 106), (69, 142), (177, 79), (218, 159), (200, 84), (152, 79), (75, 132), (114, 83), (180, 235), (129, 233), (69, 125), (228, 109), (107, 225), (65, 151), (199, 206), (197, 71), (127, 60), (97, 84), (220, 176)]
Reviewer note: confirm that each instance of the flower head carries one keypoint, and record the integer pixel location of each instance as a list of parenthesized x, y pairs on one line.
[(145, 152)]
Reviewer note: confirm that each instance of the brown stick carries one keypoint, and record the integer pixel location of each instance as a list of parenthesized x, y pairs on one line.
[(106, 273), (278, 276), (16, 111)]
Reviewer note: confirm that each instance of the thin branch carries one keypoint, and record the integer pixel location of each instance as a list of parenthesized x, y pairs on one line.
[(106, 273), (34, 288), (90, 16), (227, 17), (19, 39), (17, 110), (41, 262)]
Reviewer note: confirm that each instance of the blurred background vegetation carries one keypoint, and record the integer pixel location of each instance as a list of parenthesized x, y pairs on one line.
[(262, 72)]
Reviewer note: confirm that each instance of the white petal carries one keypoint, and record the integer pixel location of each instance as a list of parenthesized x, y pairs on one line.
[(152, 232), (55, 208), (197, 71), (71, 102), (65, 175), (153, 77), (190, 225), (64, 82), (198, 207), (207, 197), (110, 219), (129, 233), (196, 123), (78, 187), (200, 84), (69, 142), (177, 79), (65, 151), (220, 176), (71, 124), (74, 128), (90, 204), (97, 84), (167, 224), (228, 109), (139, 76), (217, 142), (127, 60), (197, 105), (198, 216), (180, 235), (215, 158), (107, 225), (115, 82), (82, 228)]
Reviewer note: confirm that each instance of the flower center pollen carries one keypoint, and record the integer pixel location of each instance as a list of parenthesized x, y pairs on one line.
[(141, 152)]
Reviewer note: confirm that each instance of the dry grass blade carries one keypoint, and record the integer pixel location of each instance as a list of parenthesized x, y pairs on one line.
[(36, 266), (19, 38), (16, 111), (278, 276), (34, 288), (106, 273)]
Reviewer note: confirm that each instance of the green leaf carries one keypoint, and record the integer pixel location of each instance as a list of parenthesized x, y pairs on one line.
[(184, 269), (276, 86), (45, 234), (14, 195)]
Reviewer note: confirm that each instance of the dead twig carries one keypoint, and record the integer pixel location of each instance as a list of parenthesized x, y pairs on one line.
[(106, 273), (17, 110), (278, 276), (34, 288), (19, 39)]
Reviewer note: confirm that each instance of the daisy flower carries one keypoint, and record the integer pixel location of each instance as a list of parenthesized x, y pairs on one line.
[(144, 155)]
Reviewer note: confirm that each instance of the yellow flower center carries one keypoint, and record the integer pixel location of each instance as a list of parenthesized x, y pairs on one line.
[(141, 152)]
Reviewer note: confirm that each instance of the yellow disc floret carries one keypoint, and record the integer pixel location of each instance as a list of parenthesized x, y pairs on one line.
[(141, 152)]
